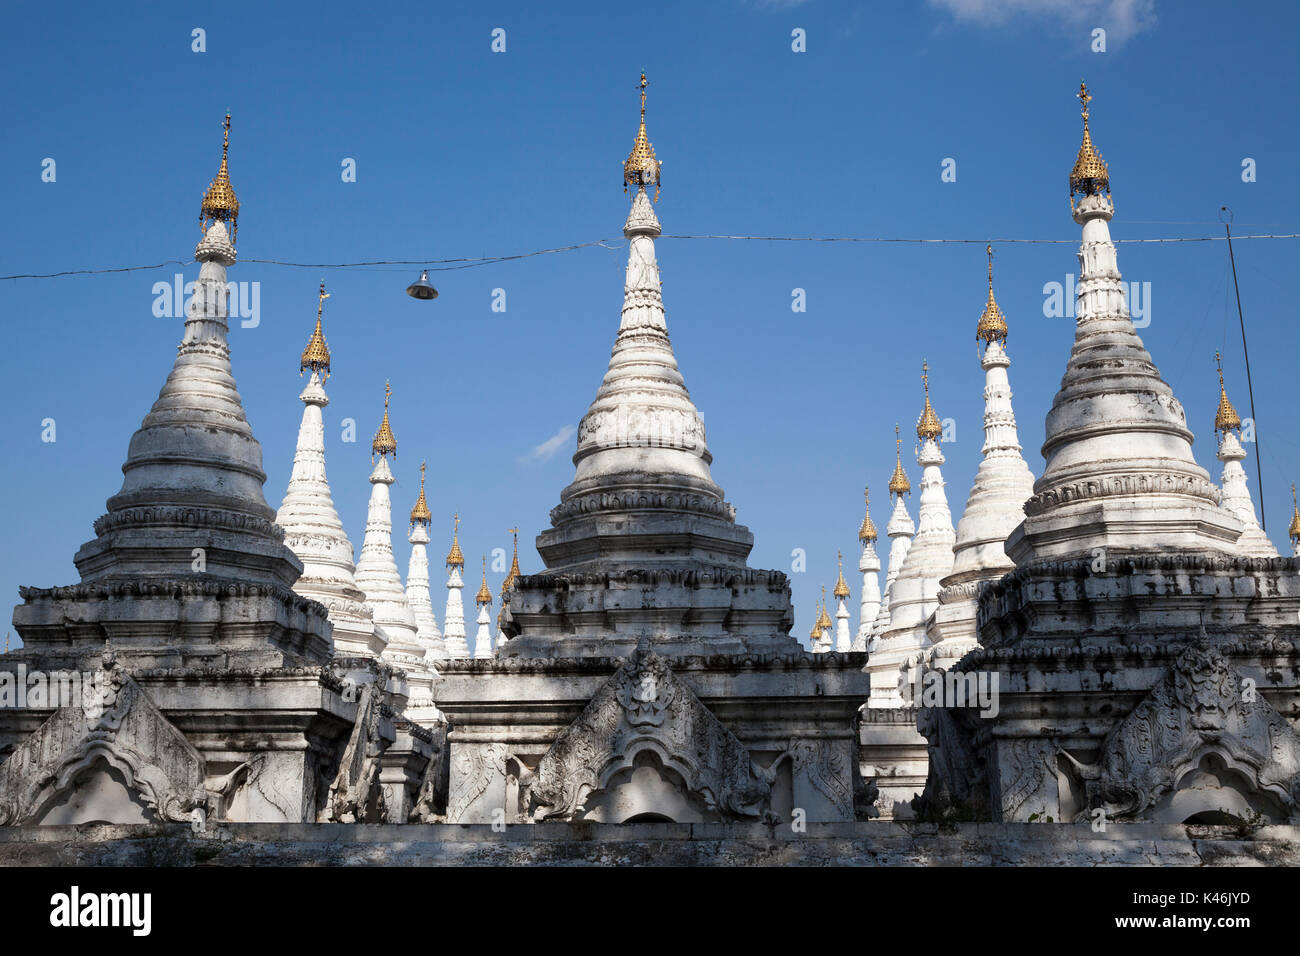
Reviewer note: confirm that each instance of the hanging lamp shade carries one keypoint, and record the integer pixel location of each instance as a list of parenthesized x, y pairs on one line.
[(422, 288)]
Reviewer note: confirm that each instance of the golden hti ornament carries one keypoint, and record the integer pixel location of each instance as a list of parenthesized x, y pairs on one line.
[(823, 619), (219, 202), (513, 574), (420, 513), (1226, 417), (316, 356), (385, 442), (454, 557), (928, 426), (641, 168), (1294, 530), (1089, 175), (841, 587), (898, 483), (484, 596), (868, 530), (993, 324)]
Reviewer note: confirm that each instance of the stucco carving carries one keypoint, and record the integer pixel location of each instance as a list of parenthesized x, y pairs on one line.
[(643, 706)]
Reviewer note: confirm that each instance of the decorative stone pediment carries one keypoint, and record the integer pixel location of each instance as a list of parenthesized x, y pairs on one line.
[(645, 709), (1200, 722), (113, 743)]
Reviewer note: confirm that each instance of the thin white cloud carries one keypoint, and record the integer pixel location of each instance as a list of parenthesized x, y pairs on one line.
[(1121, 19), (547, 449)]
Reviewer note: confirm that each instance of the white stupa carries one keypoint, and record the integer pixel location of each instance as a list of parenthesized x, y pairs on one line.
[(311, 523), (453, 618), (417, 579), (1235, 496), (995, 507), (869, 565)]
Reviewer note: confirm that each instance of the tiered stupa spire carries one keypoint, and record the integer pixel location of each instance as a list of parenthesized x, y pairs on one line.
[(914, 593), (995, 506), (417, 578), (1119, 474), (453, 618), (311, 523), (899, 530), (869, 565), (1294, 530), (843, 639), (191, 518), (483, 636), (377, 573), (643, 502), (1235, 495)]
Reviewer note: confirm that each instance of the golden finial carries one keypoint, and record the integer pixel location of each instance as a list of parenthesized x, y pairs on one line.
[(385, 442), (824, 619), (993, 324), (420, 513), (1226, 417), (640, 169), (898, 483), (928, 425), (841, 588), (219, 202), (455, 559), (316, 356), (1294, 530), (1089, 175), (484, 596), (815, 634), (868, 530), (513, 573)]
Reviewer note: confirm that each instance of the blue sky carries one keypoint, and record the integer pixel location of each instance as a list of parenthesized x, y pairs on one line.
[(461, 151)]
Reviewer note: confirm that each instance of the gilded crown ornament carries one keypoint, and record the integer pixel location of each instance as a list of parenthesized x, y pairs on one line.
[(868, 530), (1226, 417), (484, 596), (420, 513), (841, 586), (385, 442), (823, 619), (1294, 530), (641, 168), (316, 356), (219, 202), (1089, 175), (898, 483), (513, 574), (993, 324), (928, 426), (455, 559)]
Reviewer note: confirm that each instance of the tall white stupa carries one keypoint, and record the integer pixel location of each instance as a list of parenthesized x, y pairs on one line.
[(453, 618), (311, 523), (483, 636), (899, 530), (869, 565), (417, 579), (1119, 475), (1234, 494), (914, 594), (1002, 484), (377, 573), (843, 639)]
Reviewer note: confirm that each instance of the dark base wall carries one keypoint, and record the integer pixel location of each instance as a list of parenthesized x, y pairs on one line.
[(651, 844)]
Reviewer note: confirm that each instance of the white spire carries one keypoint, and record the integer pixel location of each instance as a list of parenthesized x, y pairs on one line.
[(1003, 483), (914, 593), (483, 636), (1119, 473), (453, 618), (899, 530), (417, 579), (1235, 496), (315, 534), (869, 565)]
